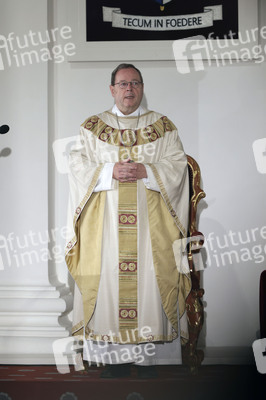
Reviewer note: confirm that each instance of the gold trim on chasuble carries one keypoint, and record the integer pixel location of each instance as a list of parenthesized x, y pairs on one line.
[(110, 135), (174, 286), (89, 213), (179, 287), (167, 200), (128, 259), (128, 247), (126, 139), (127, 222)]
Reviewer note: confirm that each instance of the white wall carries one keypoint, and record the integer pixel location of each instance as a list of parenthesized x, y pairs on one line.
[(24, 109), (30, 307), (219, 113)]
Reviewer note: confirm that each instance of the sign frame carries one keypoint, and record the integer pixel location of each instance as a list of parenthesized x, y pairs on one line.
[(158, 50)]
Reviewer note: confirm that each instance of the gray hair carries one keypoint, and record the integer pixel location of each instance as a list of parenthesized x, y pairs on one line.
[(124, 66)]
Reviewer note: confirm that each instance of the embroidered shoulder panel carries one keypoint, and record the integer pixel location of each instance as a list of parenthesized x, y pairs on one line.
[(128, 137)]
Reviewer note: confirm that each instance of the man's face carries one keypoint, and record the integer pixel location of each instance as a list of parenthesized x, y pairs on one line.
[(128, 99)]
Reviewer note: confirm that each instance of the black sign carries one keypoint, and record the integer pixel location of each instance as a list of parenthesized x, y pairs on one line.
[(118, 20)]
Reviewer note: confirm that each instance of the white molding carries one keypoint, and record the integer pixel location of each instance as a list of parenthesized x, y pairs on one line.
[(29, 323), (25, 359)]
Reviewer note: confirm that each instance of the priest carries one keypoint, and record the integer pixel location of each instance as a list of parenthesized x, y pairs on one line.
[(129, 200)]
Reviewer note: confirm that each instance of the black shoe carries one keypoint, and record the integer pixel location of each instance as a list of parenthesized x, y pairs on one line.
[(148, 372), (116, 371)]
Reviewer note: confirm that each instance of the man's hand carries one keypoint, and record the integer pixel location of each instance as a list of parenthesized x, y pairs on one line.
[(126, 171)]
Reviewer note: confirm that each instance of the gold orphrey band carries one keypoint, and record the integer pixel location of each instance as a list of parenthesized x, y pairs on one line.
[(128, 256)]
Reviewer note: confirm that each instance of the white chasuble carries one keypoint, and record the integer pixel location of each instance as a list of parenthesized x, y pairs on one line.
[(126, 253)]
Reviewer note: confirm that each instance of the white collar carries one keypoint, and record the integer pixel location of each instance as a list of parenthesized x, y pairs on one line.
[(140, 110)]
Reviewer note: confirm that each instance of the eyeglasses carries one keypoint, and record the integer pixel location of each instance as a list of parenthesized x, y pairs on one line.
[(124, 84)]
